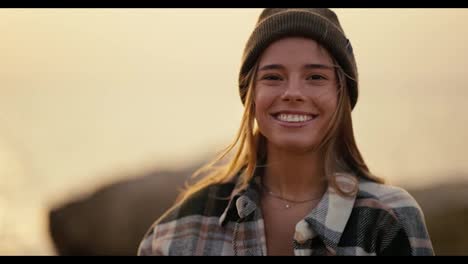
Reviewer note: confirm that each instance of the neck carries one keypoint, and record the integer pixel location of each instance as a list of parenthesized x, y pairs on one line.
[(294, 176)]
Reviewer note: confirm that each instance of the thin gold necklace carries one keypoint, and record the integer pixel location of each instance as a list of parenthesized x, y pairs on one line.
[(288, 201)]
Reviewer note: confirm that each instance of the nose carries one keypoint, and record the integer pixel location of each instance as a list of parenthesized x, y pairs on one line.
[(293, 91)]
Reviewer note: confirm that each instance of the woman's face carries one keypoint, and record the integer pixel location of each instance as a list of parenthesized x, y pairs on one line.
[(295, 93)]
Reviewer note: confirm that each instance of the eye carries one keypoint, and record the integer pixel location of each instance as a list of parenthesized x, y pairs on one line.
[(271, 77), (316, 77)]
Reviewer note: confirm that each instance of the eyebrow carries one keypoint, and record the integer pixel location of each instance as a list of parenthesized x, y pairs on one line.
[(307, 66)]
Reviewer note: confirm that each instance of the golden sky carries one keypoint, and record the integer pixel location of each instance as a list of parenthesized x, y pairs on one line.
[(89, 93)]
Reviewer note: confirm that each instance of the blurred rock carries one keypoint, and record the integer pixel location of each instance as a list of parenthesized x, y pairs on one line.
[(446, 212), (114, 219)]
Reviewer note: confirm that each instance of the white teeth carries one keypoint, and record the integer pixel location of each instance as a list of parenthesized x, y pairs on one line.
[(294, 118)]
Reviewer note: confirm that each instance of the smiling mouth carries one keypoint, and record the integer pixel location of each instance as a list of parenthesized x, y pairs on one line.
[(293, 118)]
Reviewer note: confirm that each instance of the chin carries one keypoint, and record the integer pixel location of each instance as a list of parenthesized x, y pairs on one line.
[(295, 145)]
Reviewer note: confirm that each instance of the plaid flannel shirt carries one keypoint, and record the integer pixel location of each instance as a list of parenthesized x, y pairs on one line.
[(225, 220)]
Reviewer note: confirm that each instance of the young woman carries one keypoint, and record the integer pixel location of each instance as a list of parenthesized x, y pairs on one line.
[(296, 183)]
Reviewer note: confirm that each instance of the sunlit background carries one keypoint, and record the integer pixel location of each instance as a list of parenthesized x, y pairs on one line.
[(91, 96)]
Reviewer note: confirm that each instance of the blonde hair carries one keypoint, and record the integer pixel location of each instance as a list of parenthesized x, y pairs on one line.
[(249, 146)]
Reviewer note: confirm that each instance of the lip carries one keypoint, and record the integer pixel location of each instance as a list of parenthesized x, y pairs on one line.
[(293, 124), (294, 113)]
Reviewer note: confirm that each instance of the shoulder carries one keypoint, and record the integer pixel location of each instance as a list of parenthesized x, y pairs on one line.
[(389, 197), (395, 200), (404, 210), (208, 201), (202, 207)]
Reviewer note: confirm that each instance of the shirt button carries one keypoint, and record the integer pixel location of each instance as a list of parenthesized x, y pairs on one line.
[(299, 237)]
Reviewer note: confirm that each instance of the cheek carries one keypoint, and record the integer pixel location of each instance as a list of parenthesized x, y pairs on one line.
[(263, 101), (328, 102)]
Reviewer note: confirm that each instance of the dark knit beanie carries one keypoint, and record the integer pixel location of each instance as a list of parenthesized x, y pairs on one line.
[(320, 24)]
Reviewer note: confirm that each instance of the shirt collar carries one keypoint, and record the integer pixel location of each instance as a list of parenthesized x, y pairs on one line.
[(327, 220), (243, 200)]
